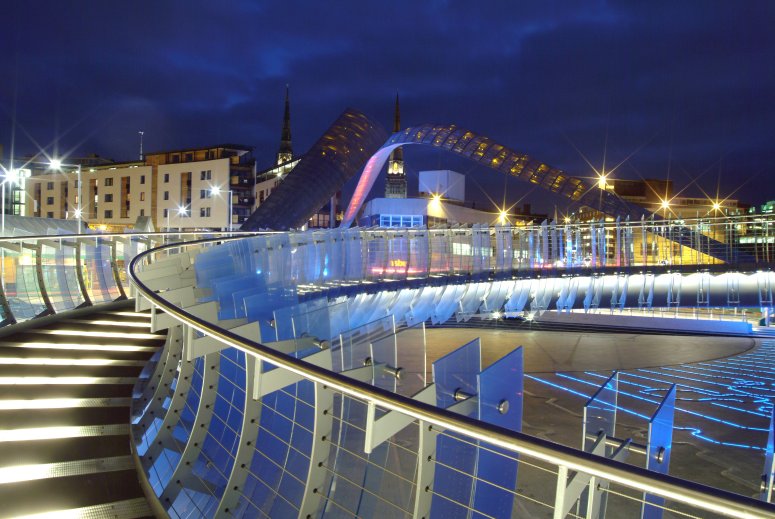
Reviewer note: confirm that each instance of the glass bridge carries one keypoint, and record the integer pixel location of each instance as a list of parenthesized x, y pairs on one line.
[(295, 379)]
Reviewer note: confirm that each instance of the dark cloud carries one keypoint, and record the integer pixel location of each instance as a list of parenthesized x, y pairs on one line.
[(674, 86)]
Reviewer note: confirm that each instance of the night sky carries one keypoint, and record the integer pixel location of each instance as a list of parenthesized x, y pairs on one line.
[(678, 89)]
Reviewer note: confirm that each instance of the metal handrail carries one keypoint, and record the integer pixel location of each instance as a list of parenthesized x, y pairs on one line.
[(675, 489), (34, 237)]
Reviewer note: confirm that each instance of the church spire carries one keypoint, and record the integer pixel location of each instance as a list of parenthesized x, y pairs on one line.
[(397, 117), (395, 187), (285, 153)]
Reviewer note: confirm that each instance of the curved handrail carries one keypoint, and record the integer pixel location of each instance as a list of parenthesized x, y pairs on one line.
[(694, 494)]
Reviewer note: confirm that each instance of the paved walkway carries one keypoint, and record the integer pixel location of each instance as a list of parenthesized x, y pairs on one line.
[(570, 351)]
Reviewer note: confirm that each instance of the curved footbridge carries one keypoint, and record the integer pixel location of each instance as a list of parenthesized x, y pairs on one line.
[(298, 378), (309, 375)]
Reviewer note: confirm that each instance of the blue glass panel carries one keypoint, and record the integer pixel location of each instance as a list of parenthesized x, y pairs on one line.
[(216, 459), (447, 304), (261, 307), (190, 503), (600, 417), (411, 358), (600, 412), (500, 403), (280, 463), (471, 300), (456, 457), (318, 321), (401, 304), (352, 348), (224, 289), (423, 306), (457, 370), (659, 447)]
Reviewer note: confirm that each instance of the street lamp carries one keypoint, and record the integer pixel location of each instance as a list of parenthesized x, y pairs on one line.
[(182, 212), (215, 190), (9, 176), (56, 165)]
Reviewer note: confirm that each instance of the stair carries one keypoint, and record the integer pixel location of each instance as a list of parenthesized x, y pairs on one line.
[(65, 393)]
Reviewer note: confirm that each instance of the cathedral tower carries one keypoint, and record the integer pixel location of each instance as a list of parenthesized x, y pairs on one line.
[(395, 187)]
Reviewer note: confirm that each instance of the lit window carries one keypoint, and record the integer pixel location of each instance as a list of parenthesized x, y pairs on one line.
[(108, 182)]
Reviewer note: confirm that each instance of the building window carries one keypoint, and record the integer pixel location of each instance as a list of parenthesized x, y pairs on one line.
[(142, 212), (75, 183), (189, 157), (204, 212), (205, 193), (108, 197), (108, 182), (142, 196), (142, 179), (49, 185), (206, 175), (166, 177), (166, 195), (398, 220), (49, 214), (166, 212), (50, 200), (108, 214)]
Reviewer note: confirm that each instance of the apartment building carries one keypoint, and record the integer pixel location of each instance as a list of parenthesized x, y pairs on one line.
[(198, 188)]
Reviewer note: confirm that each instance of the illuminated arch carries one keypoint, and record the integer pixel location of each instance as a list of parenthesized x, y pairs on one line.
[(498, 157)]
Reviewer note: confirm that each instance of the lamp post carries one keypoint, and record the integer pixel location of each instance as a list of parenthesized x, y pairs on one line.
[(182, 212), (9, 175), (56, 165), (215, 190)]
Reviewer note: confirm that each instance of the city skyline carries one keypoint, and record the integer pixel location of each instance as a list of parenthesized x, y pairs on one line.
[(681, 91)]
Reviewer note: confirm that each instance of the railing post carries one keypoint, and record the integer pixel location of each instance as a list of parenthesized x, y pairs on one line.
[(321, 446), (426, 453), (79, 273), (114, 268), (246, 448), (559, 494), (183, 476), (160, 381), (38, 248)]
